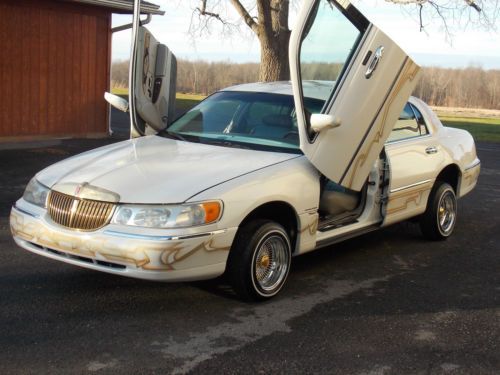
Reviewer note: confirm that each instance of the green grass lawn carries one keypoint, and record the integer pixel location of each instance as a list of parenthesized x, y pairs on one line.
[(119, 91), (183, 102), (482, 129)]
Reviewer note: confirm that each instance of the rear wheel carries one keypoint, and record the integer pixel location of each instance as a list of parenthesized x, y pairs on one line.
[(438, 221), (259, 261)]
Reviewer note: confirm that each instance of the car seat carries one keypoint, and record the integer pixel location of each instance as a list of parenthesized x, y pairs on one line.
[(336, 199), (275, 126)]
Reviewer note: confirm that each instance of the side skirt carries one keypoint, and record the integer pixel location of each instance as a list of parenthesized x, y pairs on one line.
[(342, 237)]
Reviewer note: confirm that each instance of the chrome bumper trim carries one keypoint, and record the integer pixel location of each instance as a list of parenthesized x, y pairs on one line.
[(14, 207), (161, 238), (410, 186), (473, 165)]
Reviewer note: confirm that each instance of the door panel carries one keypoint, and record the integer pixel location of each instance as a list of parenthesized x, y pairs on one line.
[(374, 82), (152, 82), (413, 171)]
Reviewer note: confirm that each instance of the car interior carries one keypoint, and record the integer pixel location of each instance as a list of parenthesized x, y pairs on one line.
[(275, 126), (338, 205)]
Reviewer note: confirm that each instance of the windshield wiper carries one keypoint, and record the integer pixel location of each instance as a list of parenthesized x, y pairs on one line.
[(173, 135), (225, 143)]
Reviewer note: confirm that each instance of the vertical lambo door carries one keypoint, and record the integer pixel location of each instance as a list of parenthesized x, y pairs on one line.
[(370, 78), (152, 81)]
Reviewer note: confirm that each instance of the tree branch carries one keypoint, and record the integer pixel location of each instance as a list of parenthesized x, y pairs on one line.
[(245, 15), (203, 11), (405, 2), (444, 10), (473, 4)]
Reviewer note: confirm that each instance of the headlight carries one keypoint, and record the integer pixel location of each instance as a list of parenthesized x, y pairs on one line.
[(168, 216), (36, 193)]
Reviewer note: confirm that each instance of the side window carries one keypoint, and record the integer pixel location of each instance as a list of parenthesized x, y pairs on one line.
[(327, 46), (406, 126), (420, 121)]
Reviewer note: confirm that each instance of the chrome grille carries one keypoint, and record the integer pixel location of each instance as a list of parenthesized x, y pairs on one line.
[(76, 213)]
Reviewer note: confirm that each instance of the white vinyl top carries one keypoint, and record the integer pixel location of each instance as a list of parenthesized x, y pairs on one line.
[(312, 89)]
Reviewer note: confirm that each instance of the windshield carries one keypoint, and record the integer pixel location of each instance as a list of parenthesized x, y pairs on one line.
[(252, 120)]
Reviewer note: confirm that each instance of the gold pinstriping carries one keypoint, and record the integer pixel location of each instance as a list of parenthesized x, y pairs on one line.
[(409, 74)]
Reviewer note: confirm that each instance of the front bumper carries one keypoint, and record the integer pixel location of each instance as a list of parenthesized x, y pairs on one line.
[(146, 255)]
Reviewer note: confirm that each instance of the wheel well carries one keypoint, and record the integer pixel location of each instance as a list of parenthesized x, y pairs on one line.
[(451, 175), (280, 212)]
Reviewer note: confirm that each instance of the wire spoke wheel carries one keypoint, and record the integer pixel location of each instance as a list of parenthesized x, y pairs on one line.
[(271, 262), (440, 216), (259, 262), (447, 212)]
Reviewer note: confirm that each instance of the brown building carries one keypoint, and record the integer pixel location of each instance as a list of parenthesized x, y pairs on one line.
[(55, 58)]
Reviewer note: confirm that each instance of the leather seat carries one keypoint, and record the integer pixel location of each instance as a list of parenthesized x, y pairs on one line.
[(275, 126), (336, 199)]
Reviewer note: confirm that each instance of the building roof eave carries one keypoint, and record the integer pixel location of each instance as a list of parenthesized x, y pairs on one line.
[(123, 6)]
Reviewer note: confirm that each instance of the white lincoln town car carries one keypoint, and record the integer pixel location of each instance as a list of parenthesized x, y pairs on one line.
[(258, 173)]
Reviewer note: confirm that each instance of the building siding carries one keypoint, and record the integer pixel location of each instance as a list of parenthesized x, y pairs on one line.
[(54, 69)]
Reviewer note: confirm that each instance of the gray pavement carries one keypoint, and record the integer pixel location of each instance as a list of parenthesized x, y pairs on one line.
[(385, 303)]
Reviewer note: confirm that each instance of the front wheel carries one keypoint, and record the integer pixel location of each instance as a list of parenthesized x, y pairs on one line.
[(438, 220), (259, 261)]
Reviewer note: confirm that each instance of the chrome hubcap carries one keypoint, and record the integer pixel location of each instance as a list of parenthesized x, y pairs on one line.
[(271, 262), (447, 212)]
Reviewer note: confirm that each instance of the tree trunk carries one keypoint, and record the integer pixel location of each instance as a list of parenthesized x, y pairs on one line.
[(274, 35), (274, 64)]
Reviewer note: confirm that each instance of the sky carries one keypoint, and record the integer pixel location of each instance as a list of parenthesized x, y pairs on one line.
[(467, 46)]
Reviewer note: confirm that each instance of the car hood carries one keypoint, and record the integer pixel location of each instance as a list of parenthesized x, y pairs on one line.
[(154, 169)]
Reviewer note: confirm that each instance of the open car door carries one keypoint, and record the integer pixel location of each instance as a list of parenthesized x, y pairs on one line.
[(152, 81), (371, 79)]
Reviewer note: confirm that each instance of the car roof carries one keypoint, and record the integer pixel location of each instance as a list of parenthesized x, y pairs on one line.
[(312, 89), (315, 89)]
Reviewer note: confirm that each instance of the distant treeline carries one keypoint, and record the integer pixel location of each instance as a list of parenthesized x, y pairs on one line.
[(470, 88)]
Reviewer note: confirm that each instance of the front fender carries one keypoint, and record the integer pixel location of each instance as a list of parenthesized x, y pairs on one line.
[(295, 182)]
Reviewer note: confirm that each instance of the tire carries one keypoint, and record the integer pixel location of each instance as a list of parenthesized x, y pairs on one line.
[(438, 221), (259, 261)]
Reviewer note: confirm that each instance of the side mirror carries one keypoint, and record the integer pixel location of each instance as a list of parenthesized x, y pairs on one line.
[(116, 101), (319, 122)]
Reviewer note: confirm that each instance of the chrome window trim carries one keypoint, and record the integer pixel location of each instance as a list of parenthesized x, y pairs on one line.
[(414, 108), (408, 139)]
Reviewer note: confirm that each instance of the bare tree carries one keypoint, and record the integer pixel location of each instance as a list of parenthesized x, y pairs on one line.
[(268, 20), (457, 13)]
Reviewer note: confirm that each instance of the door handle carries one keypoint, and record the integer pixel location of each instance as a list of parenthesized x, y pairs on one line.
[(431, 150), (374, 62)]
